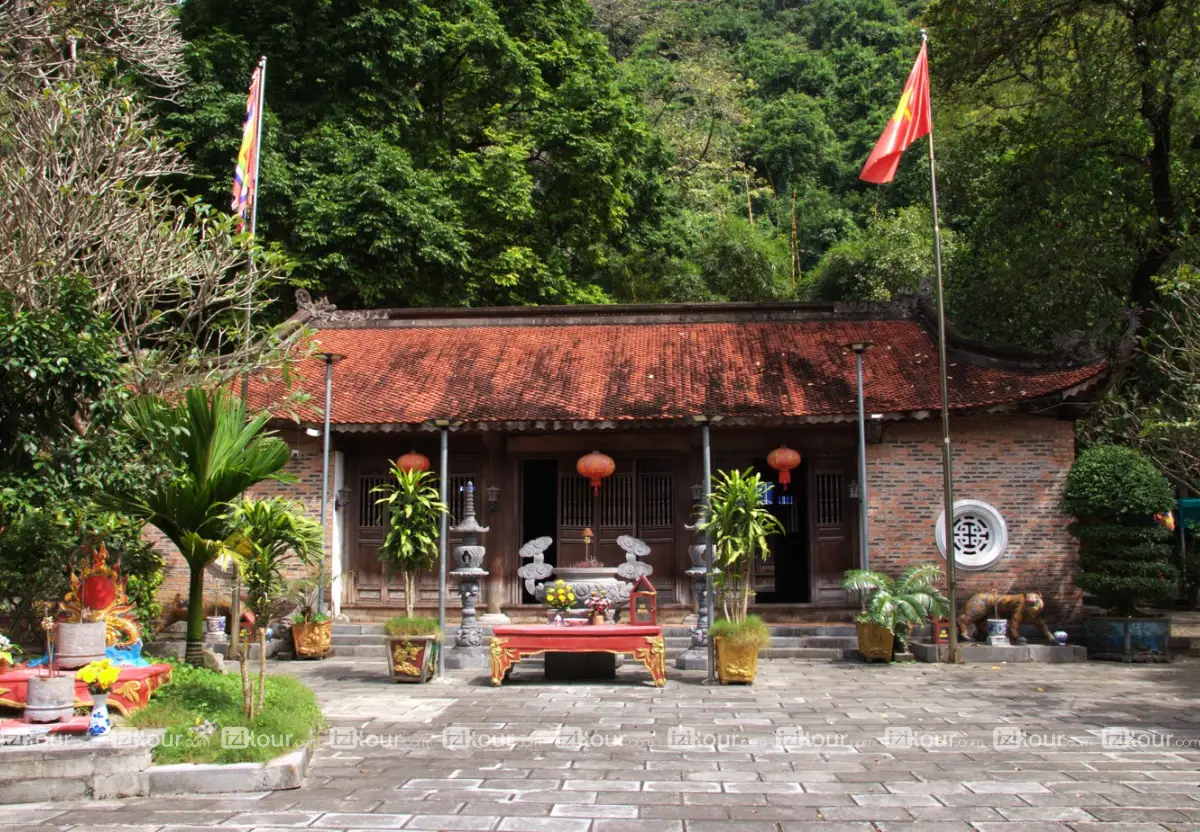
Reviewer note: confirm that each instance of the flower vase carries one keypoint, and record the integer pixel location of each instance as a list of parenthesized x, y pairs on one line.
[(100, 723), (597, 617)]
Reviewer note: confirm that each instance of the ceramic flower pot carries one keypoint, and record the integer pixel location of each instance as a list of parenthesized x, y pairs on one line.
[(214, 625), (312, 638), (100, 723), (735, 662), (412, 658), (79, 643), (874, 642)]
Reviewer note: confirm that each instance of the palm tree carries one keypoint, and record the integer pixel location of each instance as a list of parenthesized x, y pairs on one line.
[(267, 536), (899, 604), (740, 524), (217, 453), (415, 509)]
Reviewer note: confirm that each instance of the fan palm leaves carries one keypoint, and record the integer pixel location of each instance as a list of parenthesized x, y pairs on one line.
[(899, 604), (217, 452)]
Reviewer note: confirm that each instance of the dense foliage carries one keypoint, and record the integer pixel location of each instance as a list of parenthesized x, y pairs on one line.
[(1115, 485), (740, 523), (415, 510), (1123, 555)]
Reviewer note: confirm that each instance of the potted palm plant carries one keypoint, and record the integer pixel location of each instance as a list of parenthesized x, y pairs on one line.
[(740, 524), (893, 606), (269, 535), (414, 511), (312, 630)]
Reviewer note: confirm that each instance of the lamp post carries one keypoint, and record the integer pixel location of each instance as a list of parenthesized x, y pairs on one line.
[(860, 347), (705, 423), (444, 486), (330, 358)]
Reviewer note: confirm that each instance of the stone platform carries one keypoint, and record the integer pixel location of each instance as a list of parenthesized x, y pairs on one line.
[(996, 654)]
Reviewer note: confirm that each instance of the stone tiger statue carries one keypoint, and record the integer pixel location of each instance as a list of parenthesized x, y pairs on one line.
[(1023, 608)]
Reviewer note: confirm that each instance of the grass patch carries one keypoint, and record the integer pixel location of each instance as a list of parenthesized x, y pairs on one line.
[(418, 625), (290, 718), (752, 631)]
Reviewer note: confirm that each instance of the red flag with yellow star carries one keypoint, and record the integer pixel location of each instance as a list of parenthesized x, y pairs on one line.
[(911, 121)]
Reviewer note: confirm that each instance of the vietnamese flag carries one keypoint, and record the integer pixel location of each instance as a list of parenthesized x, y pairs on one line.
[(911, 121)]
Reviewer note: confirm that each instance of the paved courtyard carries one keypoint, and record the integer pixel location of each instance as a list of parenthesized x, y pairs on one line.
[(810, 746)]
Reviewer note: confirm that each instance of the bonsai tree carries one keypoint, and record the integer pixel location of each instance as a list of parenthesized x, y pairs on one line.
[(269, 535), (740, 524), (1124, 555), (216, 452), (414, 512), (899, 604)]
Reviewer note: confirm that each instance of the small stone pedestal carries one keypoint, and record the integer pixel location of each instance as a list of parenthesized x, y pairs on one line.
[(468, 650)]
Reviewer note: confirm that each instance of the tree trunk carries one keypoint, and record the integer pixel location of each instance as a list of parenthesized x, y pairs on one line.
[(247, 691), (193, 653), (410, 589), (262, 665)]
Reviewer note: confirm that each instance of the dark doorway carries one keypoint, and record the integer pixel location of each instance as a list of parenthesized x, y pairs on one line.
[(788, 582), (539, 501)]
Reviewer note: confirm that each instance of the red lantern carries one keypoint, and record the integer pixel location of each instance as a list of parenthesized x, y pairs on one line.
[(595, 467), (783, 459), (413, 461)]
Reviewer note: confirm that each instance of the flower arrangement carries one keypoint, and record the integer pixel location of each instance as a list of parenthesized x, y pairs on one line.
[(99, 676), (599, 602), (7, 651), (560, 596)]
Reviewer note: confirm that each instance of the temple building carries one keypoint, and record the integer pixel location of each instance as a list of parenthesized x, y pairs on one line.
[(525, 392)]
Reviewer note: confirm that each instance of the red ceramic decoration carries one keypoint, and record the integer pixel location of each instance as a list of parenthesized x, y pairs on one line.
[(594, 467), (98, 593), (413, 461), (783, 459)]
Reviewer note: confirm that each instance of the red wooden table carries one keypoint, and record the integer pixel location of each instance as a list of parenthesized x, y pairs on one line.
[(644, 642)]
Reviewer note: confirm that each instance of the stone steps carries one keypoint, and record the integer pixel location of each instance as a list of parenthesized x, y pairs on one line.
[(72, 769)]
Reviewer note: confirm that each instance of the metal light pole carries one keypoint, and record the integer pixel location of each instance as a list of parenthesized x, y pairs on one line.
[(708, 548), (329, 357), (864, 550), (442, 537)]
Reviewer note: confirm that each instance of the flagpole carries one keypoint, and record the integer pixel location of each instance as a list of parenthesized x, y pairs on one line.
[(235, 603), (258, 119), (947, 477)]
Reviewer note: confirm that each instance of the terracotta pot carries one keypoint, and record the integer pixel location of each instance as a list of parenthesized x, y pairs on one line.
[(735, 662), (312, 639), (874, 642), (412, 658), (50, 698), (79, 643)]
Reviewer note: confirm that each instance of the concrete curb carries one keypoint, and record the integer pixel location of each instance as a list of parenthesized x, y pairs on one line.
[(285, 772)]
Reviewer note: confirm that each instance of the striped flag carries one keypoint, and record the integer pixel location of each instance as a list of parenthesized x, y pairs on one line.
[(244, 185)]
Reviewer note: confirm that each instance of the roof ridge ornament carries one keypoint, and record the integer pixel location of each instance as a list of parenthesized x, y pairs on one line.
[(318, 310)]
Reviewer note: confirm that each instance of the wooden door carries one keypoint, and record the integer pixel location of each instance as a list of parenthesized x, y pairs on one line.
[(831, 518)]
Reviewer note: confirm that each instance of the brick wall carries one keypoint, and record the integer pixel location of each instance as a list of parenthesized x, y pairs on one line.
[(307, 490), (1016, 463)]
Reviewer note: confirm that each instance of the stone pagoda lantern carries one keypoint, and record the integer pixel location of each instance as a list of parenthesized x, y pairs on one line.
[(468, 650)]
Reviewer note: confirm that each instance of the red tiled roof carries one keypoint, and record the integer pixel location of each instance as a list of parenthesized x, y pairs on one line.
[(650, 371)]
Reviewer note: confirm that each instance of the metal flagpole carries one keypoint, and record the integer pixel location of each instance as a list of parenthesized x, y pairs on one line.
[(947, 478), (863, 521), (442, 543), (329, 359), (235, 603)]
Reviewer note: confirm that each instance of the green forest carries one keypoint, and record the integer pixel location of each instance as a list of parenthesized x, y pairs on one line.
[(495, 152)]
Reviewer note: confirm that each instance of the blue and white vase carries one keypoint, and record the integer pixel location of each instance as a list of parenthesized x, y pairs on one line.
[(100, 723)]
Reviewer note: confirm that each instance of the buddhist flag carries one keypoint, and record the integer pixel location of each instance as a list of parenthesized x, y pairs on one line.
[(911, 121), (243, 175)]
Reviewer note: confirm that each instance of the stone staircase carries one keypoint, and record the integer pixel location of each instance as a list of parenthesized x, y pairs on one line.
[(830, 642)]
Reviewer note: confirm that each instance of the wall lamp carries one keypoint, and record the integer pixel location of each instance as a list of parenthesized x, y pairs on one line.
[(493, 497)]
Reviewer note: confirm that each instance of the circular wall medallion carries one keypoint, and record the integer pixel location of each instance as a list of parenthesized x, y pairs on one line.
[(980, 534)]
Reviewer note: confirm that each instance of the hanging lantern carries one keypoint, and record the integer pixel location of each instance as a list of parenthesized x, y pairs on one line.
[(595, 467), (783, 459), (413, 461)]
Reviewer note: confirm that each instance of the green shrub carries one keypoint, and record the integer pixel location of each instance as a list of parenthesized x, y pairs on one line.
[(289, 719), (749, 631), (1116, 485), (417, 625)]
